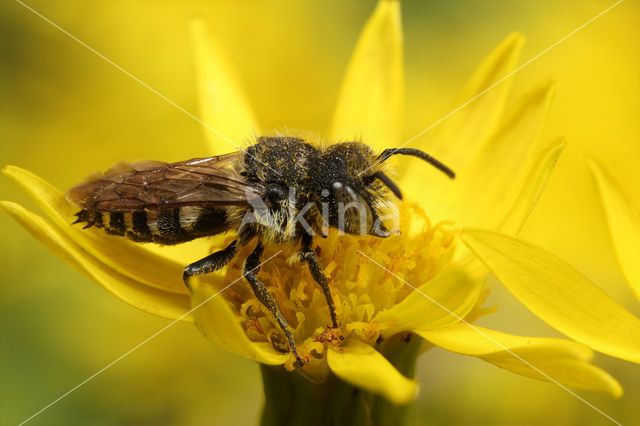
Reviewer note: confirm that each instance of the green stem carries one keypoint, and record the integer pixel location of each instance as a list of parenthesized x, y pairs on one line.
[(291, 399)]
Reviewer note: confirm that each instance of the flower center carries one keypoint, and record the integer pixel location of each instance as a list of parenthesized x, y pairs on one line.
[(360, 288)]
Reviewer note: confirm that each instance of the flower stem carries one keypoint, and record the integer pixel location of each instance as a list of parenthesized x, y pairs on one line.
[(291, 399)]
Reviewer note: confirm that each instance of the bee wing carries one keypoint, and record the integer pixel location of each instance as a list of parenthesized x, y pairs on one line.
[(155, 184)]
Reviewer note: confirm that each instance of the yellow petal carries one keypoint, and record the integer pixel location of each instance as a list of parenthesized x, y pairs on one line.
[(116, 253), (482, 194), (222, 326), (470, 339), (623, 220), (545, 359), (497, 173), (186, 253), (223, 107), (149, 299), (459, 137), (535, 182), (370, 104), (437, 303), (558, 294), (361, 365), (457, 140)]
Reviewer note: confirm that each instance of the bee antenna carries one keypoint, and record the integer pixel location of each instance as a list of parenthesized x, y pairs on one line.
[(388, 182), (384, 155)]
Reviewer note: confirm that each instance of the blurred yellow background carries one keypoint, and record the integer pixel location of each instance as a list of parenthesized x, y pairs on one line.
[(66, 113)]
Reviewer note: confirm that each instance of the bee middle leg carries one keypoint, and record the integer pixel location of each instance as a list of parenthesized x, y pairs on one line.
[(251, 268), (308, 255), (211, 263)]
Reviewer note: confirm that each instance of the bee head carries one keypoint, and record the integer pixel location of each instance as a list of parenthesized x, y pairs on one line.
[(353, 184)]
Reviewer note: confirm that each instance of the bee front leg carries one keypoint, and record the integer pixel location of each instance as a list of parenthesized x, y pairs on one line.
[(308, 255), (211, 263), (251, 268)]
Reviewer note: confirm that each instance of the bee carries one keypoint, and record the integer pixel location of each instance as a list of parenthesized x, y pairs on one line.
[(281, 190)]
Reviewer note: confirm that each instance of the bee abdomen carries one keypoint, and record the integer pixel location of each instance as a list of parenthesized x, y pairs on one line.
[(138, 228), (181, 224), (115, 225), (129, 224), (164, 226)]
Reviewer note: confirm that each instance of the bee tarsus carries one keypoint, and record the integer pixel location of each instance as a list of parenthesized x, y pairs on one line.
[(211, 263)]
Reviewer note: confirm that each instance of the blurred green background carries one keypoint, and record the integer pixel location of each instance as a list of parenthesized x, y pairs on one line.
[(66, 113)]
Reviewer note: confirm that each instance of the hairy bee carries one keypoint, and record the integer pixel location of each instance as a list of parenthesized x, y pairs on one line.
[(280, 190)]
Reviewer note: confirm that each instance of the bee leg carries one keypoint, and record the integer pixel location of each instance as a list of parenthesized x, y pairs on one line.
[(251, 268), (308, 255), (211, 263)]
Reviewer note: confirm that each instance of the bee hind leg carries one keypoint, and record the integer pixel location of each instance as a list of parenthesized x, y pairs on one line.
[(211, 263), (308, 255), (251, 268)]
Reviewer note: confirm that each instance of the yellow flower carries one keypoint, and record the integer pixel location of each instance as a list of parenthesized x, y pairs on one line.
[(429, 281), (623, 220)]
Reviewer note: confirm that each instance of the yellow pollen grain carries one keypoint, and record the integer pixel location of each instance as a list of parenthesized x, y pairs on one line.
[(359, 287)]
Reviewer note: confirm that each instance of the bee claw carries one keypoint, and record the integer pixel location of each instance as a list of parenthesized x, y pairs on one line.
[(185, 278)]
